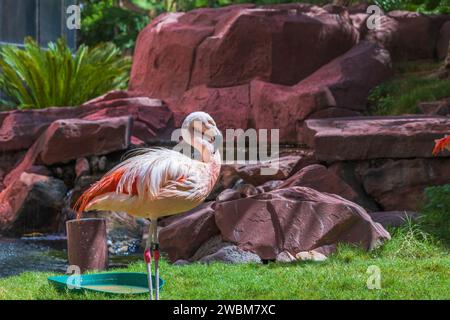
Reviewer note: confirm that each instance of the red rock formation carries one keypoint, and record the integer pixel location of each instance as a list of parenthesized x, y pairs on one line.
[(295, 219), (179, 51), (363, 138)]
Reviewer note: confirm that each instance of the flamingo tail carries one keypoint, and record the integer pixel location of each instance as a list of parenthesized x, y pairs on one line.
[(105, 185)]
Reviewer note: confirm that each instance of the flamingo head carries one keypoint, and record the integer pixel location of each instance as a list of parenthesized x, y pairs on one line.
[(200, 130)]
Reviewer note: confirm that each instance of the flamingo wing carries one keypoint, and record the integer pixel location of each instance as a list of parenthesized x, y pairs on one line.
[(441, 145), (154, 174)]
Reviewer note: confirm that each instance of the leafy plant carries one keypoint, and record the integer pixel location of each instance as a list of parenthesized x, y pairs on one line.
[(424, 6), (104, 21), (436, 212), (39, 78)]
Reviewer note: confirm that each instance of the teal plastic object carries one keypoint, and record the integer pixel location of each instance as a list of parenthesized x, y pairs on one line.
[(110, 283)]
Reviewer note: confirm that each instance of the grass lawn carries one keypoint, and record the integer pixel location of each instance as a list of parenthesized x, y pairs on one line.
[(413, 266)]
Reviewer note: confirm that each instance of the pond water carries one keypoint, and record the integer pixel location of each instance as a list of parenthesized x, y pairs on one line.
[(47, 254)]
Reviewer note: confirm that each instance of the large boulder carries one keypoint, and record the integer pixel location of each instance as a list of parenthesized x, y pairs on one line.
[(408, 35), (362, 138), (319, 178), (351, 76), (400, 184), (223, 104), (277, 169), (185, 234), (32, 203), (295, 219), (66, 140), (341, 87), (152, 120), (179, 51), (281, 107), (20, 128)]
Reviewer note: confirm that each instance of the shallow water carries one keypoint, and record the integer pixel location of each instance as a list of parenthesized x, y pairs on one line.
[(46, 254), (17, 256)]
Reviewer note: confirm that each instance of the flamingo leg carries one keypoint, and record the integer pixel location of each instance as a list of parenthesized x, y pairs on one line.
[(148, 260), (155, 248)]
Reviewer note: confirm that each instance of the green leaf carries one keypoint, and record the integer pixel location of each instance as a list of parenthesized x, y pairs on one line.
[(37, 78)]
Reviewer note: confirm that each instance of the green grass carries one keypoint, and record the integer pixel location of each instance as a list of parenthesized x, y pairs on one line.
[(410, 86), (412, 264), (436, 219)]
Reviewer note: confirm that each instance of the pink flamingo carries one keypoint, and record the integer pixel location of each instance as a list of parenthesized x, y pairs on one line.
[(441, 145), (160, 182)]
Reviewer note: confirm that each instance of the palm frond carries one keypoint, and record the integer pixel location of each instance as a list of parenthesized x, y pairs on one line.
[(38, 78)]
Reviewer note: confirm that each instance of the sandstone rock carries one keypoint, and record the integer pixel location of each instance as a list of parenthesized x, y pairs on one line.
[(228, 195), (346, 171), (393, 218), (209, 247), (245, 189), (407, 35), (334, 112), (443, 41), (363, 138), (311, 255), (319, 178), (436, 108), (264, 171), (295, 219), (227, 179), (182, 238), (31, 204), (281, 49), (400, 184), (153, 121), (215, 51), (350, 85), (359, 20), (82, 167), (270, 185), (232, 254), (181, 262), (223, 104), (337, 84), (285, 257), (281, 107), (66, 140), (21, 128), (164, 54)]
